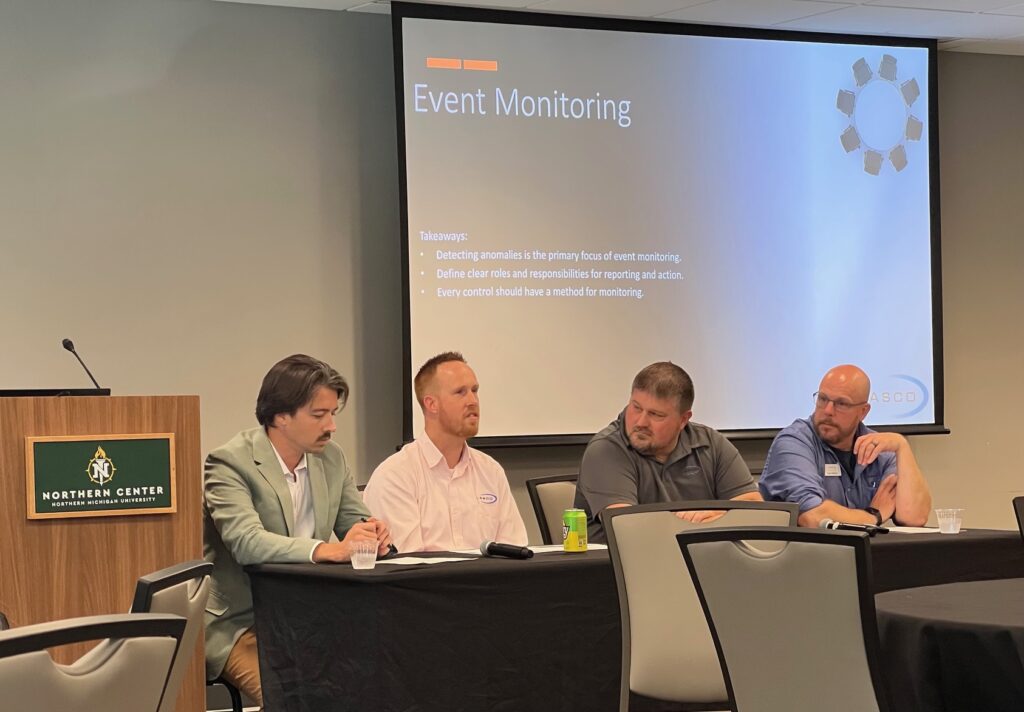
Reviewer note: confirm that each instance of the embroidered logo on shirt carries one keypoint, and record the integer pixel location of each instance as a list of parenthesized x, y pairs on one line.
[(487, 498)]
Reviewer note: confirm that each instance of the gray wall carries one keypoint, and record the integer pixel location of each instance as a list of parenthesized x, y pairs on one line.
[(981, 102), (191, 190)]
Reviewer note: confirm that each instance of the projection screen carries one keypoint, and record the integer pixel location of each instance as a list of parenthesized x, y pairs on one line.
[(582, 197)]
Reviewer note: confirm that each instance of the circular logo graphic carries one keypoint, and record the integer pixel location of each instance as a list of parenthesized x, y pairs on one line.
[(879, 109)]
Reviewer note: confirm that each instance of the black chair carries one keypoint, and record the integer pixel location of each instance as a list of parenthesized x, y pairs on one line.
[(551, 496), (792, 615), (1018, 509), (236, 696), (4, 623)]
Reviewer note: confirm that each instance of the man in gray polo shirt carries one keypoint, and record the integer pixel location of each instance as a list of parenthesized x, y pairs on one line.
[(653, 453)]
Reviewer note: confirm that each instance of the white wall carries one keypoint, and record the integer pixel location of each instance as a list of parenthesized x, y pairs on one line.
[(192, 190), (981, 102)]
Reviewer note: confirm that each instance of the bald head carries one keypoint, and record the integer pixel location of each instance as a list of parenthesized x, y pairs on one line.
[(847, 378), (841, 405)]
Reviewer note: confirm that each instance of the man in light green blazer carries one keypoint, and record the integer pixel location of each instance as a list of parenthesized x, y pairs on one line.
[(274, 494)]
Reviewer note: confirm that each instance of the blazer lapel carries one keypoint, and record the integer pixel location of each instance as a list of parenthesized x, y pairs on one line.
[(318, 490), (266, 462)]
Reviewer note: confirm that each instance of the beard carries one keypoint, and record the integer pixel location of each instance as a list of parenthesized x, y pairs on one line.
[(644, 446), (461, 426), (830, 432)]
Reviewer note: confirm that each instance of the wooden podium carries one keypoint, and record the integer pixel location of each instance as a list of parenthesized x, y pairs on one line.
[(61, 568)]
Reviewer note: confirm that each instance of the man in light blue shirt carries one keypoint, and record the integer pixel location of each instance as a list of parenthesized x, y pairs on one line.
[(836, 468)]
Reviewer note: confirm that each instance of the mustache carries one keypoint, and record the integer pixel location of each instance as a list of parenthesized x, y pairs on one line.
[(644, 431)]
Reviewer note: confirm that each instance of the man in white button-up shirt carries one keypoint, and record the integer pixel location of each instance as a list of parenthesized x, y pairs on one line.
[(437, 493)]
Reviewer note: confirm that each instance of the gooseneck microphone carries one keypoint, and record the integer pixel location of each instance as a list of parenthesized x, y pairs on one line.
[(510, 551), (871, 529), (70, 346)]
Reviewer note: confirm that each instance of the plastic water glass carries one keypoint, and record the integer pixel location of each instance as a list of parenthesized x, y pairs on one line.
[(364, 554), (949, 520)]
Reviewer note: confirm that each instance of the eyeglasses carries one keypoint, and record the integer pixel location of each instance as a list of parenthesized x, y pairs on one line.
[(821, 401)]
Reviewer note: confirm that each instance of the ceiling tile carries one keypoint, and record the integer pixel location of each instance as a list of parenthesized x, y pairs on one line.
[(1013, 46), (950, 5), (308, 4), (377, 8), (511, 4), (866, 19), (756, 13), (621, 8), (977, 22), (1010, 10)]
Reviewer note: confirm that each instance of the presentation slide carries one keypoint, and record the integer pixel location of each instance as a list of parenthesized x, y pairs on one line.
[(583, 202)]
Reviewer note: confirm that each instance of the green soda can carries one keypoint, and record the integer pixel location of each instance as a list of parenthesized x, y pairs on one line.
[(574, 530)]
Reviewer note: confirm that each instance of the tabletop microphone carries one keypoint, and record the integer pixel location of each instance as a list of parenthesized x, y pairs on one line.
[(871, 529), (70, 346), (510, 551)]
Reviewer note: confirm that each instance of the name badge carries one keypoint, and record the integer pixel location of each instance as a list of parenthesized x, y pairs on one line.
[(832, 470)]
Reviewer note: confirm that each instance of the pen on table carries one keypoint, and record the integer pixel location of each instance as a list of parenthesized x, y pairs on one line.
[(392, 550)]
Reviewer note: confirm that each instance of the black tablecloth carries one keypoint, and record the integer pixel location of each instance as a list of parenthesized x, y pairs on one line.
[(908, 560), (957, 647), (540, 635), (479, 635)]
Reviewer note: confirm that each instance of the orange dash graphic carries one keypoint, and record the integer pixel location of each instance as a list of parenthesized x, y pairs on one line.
[(443, 63), (480, 65)]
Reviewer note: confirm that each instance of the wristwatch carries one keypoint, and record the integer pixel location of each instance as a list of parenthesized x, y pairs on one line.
[(878, 515)]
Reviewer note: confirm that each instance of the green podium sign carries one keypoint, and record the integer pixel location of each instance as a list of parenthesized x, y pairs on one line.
[(100, 475)]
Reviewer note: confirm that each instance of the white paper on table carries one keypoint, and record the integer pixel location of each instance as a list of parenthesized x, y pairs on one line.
[(915, 530), (541, 549), (410, 560), (549, 548)]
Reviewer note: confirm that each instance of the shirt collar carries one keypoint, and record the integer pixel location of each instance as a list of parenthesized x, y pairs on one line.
[(301, 467), (434, 457), (689, 440)]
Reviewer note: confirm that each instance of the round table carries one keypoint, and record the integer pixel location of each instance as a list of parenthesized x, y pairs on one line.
[(954, 647)]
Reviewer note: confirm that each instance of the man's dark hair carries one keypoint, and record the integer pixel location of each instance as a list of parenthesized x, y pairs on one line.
[(291, 384), (666, 380), (426, 373)]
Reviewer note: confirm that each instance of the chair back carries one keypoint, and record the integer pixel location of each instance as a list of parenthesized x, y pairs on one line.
[(551, 496), (129, 675), (1018, 509), (182, 590), (793, 626), (667, 650)]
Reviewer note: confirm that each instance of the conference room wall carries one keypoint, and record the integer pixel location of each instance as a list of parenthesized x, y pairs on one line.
[(192, 189), (981, 101)]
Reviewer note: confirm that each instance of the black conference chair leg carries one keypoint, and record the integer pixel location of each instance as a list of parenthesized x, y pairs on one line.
[(233, 693), (236, 698)]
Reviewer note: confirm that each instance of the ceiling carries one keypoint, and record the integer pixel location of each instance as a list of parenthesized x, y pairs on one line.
[(988, 26)]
